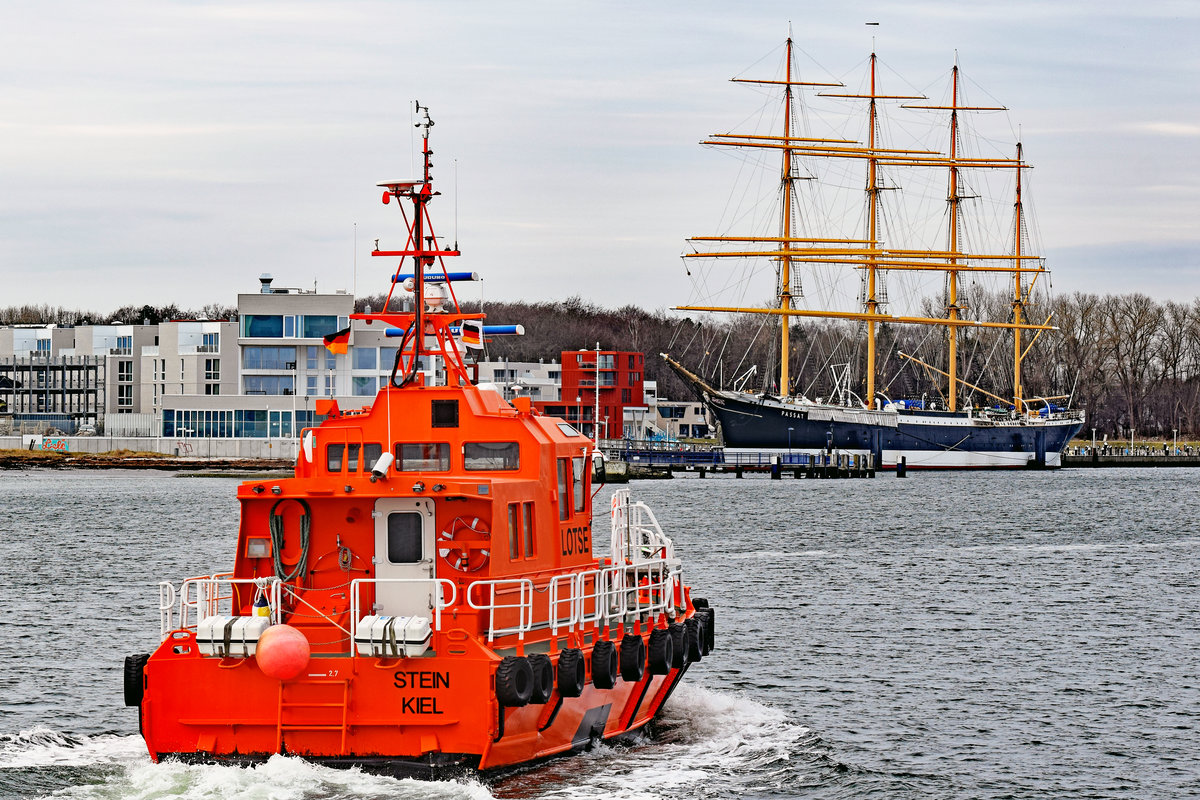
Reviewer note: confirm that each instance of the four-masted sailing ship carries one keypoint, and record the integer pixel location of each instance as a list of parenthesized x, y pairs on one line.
[(949, 430)]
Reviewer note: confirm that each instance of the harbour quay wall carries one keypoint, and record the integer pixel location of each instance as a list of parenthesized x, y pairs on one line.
[(1097, 460), (263, 449)]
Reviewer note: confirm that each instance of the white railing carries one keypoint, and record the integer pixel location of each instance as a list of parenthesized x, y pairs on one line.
[(440, 590), (523, 605), (208, 596), (596, 598), (636, 535), (642, 580), (166, 607)]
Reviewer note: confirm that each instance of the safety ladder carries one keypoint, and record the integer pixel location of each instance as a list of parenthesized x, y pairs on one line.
[(320, 705)]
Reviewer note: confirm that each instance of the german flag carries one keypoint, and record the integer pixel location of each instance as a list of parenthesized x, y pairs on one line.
[(337, 342), (471, 334)]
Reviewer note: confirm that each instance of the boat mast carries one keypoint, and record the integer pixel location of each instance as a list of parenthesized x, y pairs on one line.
[(956, 261), (785, 261), (952, 274), (1018, 297), (872, 303), (868, 254)]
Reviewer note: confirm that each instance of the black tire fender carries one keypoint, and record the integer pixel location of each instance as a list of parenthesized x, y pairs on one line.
[(572, 675), (679, 641), (543, 678), (710, 630), (135, 670), (695, 639), (514, 681), (633, 657), (604, 665), (661, 651), (705, 621)]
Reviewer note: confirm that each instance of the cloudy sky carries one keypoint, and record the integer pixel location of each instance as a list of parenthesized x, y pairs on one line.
[(169, 152)]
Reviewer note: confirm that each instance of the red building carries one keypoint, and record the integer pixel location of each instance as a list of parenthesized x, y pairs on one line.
[(615, 375)]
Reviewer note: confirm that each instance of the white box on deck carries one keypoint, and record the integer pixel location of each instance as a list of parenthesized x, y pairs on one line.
[(392, 637), (230, 637)]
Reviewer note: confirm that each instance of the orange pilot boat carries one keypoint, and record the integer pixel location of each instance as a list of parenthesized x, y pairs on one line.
[(422, 596)]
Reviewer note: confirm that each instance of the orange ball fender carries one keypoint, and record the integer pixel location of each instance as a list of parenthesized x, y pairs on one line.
[(282, 652)]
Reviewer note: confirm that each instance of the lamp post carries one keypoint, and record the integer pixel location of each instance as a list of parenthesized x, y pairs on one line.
[(790, 444), (1174, 440)]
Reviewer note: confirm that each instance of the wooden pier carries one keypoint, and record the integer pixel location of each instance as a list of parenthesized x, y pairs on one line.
[(663, 462)]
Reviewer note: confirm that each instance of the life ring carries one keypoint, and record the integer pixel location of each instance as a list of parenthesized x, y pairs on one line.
[(458, 544)]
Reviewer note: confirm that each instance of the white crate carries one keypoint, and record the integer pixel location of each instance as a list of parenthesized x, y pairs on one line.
[(393, 637), (230, 637)]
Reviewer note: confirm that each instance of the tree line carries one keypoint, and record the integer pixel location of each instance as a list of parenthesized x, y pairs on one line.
[(1131, 362)]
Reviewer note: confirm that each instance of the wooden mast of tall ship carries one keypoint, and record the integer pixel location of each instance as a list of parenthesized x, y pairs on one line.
[(869, 254)]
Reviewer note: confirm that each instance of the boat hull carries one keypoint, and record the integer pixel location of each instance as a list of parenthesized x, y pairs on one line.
[(923, 439), (430, 717)]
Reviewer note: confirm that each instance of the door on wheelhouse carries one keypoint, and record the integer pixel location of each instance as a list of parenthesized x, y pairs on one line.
[(404, 549)]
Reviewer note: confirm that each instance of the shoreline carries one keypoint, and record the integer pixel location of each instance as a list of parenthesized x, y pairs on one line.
[(17, 460)]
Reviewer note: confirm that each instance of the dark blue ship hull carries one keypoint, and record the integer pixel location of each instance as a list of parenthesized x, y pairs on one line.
[(924, 439)]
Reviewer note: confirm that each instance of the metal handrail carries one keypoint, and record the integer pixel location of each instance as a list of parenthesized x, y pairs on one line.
[(573, 607), (208, 598), (439, 598), (636, 535), (524, 606), (166, 607)]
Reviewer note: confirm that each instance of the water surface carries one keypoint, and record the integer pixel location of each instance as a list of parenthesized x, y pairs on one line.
[(1026, 635)]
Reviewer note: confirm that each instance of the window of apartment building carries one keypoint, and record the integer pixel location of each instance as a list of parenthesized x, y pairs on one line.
[(211, 343), (314, 360), (365, 387), (212, 388), (266, 357), (125, 396), (43, 347), (318, 325), (364, 358), (212, 369), (270, 384), (262, 326), (625, 398), (387, 359), (312, 386), (125, 371), (124, 345)]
